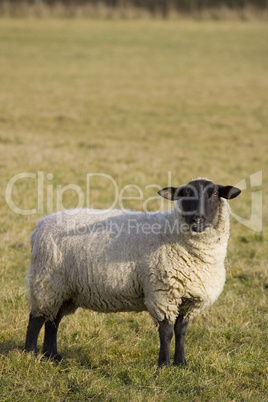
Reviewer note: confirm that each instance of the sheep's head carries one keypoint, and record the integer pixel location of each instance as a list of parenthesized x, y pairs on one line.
[(198, 201)]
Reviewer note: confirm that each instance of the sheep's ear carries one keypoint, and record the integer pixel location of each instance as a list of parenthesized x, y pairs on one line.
[(228, 192), (171, 193)]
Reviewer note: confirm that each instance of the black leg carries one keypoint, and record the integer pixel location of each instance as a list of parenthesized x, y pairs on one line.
[(165, 335), (51, 330), (180, 331), (50, 340), (34, 327)]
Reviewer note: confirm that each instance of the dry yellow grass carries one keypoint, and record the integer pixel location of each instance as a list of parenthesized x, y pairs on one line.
[(134, 100)]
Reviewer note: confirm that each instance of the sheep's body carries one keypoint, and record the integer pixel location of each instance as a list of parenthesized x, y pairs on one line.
[(126, 261)]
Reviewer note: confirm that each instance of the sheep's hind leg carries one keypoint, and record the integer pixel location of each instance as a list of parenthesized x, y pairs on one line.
[(50, 340), (180, 331), (51, 330), (34, 327), (165, 335)]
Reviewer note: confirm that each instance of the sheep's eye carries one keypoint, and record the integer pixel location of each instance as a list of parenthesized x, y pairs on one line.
[(215, 193), (188, 193)]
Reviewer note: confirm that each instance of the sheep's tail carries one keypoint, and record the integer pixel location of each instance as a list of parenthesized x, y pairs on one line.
[(32, 238), (28, 277), (39, 224)]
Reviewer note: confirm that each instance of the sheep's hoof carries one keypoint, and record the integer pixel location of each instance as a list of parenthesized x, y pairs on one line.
[(30, 352), (180, 362), (55, 357), (163, 364)]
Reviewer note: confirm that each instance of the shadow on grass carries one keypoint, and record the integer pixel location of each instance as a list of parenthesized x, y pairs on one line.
[(80, 357), (9, 346), (76, 355)]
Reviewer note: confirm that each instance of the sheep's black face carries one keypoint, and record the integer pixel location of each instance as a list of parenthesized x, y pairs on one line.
[(199, 204), (198, 201)]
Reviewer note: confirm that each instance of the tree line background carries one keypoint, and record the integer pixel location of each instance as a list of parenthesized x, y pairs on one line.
[(154, 7)]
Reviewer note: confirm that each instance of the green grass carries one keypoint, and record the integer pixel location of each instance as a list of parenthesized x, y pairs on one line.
[(134, 100)]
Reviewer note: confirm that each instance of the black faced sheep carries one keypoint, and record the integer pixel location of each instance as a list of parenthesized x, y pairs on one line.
[(169, 263)]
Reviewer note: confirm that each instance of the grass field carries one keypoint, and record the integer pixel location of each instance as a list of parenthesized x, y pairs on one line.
[(142, 102)]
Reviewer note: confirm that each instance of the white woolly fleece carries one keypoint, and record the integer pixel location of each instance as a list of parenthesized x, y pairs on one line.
[(117, 260)]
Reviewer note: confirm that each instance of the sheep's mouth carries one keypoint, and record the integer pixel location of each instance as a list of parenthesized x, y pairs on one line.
[(198, 228)]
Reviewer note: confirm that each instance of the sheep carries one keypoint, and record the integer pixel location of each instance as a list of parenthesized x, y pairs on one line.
[(170, 263)]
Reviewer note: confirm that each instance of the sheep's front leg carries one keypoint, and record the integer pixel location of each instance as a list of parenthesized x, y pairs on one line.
[(34, 327), (165, 334), (180, 331)]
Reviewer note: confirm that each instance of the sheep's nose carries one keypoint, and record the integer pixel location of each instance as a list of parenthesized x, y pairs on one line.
[(199, 219), (198, 224)]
